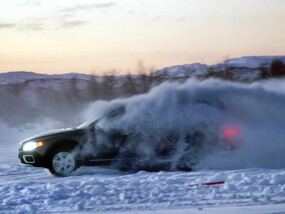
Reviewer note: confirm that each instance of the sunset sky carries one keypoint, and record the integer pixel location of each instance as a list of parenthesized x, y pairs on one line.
[(61, 36)]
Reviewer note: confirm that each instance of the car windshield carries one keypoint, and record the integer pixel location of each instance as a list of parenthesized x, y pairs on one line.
[(110, 115)]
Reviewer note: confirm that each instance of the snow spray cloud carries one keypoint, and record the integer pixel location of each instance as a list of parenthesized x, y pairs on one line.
[(10, 137), (181, 124)]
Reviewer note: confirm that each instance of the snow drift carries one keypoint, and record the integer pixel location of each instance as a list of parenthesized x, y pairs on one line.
[(170, 113)]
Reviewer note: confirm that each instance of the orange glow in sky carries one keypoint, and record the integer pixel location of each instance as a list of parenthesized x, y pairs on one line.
[(96, 35)]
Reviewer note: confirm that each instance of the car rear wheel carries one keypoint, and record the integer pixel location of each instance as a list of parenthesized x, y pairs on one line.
[(63, 163)]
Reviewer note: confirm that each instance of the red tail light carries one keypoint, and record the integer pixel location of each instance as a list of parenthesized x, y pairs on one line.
[(231, 136), (231, 132)]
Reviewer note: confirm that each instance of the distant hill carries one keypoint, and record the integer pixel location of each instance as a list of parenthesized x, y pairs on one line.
[(242, 69), (22, 76)]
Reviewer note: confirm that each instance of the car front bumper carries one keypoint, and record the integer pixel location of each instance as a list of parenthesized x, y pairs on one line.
[(32, 158)]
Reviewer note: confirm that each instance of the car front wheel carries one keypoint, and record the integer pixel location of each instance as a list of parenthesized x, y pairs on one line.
[(63, 163)]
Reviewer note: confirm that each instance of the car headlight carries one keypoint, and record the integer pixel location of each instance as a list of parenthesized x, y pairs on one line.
[(29, 146)]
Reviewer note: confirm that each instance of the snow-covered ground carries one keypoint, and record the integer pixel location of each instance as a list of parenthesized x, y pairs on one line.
[(91, 189), (254, 174)]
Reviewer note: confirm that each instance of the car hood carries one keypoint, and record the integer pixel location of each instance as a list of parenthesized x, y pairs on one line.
[(50, 134)]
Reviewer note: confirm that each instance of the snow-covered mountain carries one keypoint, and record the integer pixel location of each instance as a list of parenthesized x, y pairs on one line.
[(22, 76), (244, 68), (252, 61)]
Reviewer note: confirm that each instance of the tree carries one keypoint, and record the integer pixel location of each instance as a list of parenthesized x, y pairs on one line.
[(129, 85), (142, 78), (108, 84), (277, 68), (151, 76), (264, 71), (93, 88)]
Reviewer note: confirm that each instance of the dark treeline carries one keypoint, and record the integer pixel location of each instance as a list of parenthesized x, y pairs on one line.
[(64, 99), (275, 70)]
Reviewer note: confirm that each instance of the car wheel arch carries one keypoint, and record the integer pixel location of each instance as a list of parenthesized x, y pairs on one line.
[(64, 144)]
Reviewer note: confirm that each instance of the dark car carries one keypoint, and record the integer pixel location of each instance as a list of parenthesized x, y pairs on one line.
[(63, 151)]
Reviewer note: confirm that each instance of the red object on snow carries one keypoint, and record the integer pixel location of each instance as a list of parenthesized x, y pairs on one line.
[(211, 183)]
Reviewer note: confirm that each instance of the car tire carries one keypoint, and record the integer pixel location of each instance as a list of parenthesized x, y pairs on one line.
[(63, 162)]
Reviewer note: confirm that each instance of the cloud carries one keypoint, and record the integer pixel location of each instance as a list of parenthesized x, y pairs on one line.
[(32, 26), (34, 23), (62, 18), (72, 24), (31, 3), (7, 25), (50, 22), (145, 17), (181, 20), (155, 19), (89, 7), (152, 20)]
